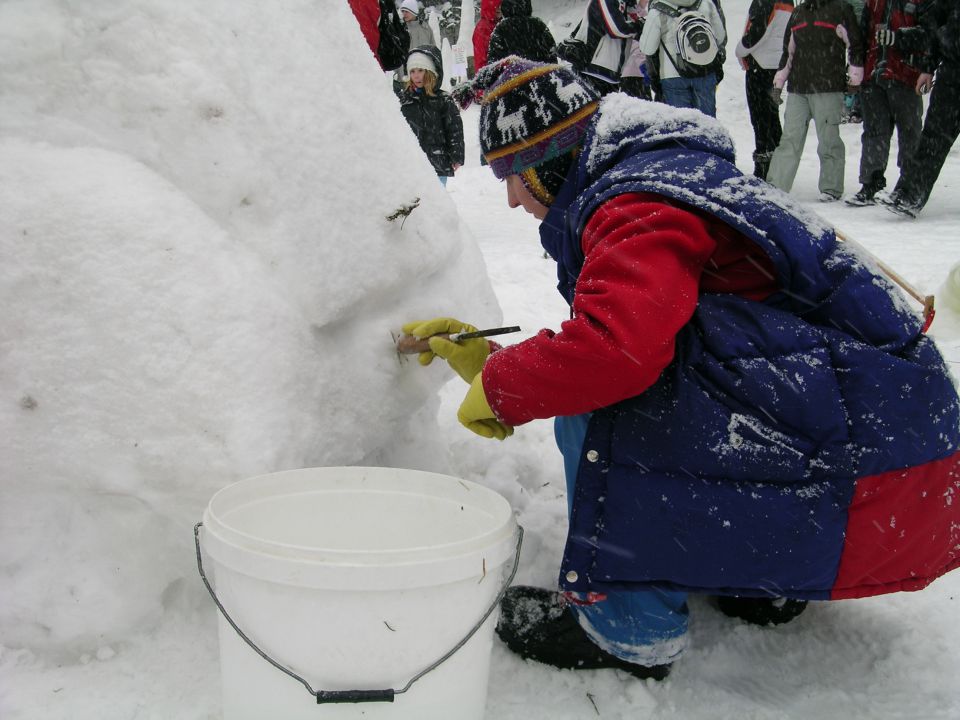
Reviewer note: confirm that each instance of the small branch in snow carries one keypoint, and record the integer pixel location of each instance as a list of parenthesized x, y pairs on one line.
[(403, 211), (593, 702)]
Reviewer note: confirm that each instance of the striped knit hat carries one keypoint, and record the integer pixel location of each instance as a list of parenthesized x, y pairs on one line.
[(530, 114)]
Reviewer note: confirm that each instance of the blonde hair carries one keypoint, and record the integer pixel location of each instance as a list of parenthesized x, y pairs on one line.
[(429, 82)]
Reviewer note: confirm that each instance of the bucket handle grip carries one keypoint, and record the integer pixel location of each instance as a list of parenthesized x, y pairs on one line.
[(354, 696), (357, 696)]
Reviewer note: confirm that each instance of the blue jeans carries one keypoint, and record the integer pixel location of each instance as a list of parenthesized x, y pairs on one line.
[(646, 627), (699, 93)]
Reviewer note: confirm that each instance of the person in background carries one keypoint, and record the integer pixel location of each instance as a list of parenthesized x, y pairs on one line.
[(636, 78), (683, 85), (431, 113), (367, 13), (889, 95), (741, 402), (519, 33), (717, 65), (820, 36), (940, 30), (852, 102), (489, 17), (420, 34), (598, 46), (759, 51)]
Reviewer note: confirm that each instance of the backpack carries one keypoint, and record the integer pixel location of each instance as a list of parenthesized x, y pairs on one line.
[(695, 50), (576, 52), (394, 38)]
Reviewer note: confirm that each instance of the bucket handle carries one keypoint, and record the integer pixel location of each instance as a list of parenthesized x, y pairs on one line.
[(356, 696)]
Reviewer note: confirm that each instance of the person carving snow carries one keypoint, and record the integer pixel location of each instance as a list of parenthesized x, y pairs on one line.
[(745, 405)]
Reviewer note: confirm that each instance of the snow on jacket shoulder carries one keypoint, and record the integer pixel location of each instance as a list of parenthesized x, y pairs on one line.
[(763, 35)]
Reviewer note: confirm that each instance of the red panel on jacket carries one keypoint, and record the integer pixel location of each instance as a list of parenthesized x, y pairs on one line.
[(901, 524)]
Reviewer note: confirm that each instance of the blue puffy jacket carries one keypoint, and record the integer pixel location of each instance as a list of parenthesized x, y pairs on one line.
[(803, 446)]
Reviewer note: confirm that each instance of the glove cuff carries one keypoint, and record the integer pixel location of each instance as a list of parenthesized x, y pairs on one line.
[(477, 396)]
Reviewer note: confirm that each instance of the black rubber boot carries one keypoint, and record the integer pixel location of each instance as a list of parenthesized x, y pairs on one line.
[(761, 611), (761, 164), (901, 204), (866, 195), (537, 624)]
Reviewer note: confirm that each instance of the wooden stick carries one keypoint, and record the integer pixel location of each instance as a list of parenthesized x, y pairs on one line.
[(410, 344)]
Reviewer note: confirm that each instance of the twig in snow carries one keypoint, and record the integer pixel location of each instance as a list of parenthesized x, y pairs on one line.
[(403, 211), (593, 702)]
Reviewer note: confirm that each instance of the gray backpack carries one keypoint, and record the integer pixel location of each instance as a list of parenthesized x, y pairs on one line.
[(695, 50)]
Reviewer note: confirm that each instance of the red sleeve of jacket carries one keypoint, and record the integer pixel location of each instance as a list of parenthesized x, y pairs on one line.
[(638, 287), (483, 30), (368, 15)]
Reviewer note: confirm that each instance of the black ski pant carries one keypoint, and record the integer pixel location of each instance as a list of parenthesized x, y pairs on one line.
[(887, 104), (940, 130), (764, 115)]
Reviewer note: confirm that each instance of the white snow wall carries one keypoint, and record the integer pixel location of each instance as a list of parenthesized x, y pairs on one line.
[(198, 284)]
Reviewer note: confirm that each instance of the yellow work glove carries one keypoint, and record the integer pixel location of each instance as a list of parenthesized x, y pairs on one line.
[(465, 357), (475, 413)]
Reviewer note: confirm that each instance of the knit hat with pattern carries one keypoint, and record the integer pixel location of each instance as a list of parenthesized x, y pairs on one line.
[(530, 113)]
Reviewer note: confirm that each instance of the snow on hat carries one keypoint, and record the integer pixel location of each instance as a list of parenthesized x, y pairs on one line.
[(422, 61), (530, 112), (411, 5)]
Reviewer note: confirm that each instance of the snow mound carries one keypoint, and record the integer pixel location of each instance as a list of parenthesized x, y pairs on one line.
[(200, 286)]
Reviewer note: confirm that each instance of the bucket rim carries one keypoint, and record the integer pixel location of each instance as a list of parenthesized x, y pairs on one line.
[(238, 548)]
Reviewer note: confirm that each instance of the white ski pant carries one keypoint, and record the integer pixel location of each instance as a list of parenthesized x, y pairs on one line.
[(825, 110)]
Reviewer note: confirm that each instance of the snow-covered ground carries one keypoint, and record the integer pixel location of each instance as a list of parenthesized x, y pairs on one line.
[(199, 286)]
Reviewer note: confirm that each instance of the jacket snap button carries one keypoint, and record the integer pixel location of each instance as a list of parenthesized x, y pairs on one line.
[(572, 576), (593, 455)]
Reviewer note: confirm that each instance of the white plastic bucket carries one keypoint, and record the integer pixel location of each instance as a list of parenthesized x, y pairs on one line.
[(356, 578)]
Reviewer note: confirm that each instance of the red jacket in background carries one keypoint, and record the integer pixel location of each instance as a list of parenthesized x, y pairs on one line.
[(897, 67), (483, 30), (367, 13)]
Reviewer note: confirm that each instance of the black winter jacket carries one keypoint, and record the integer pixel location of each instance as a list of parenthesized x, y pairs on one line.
[(519, 33), (435, 120), (936, 35), (815, 54)]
